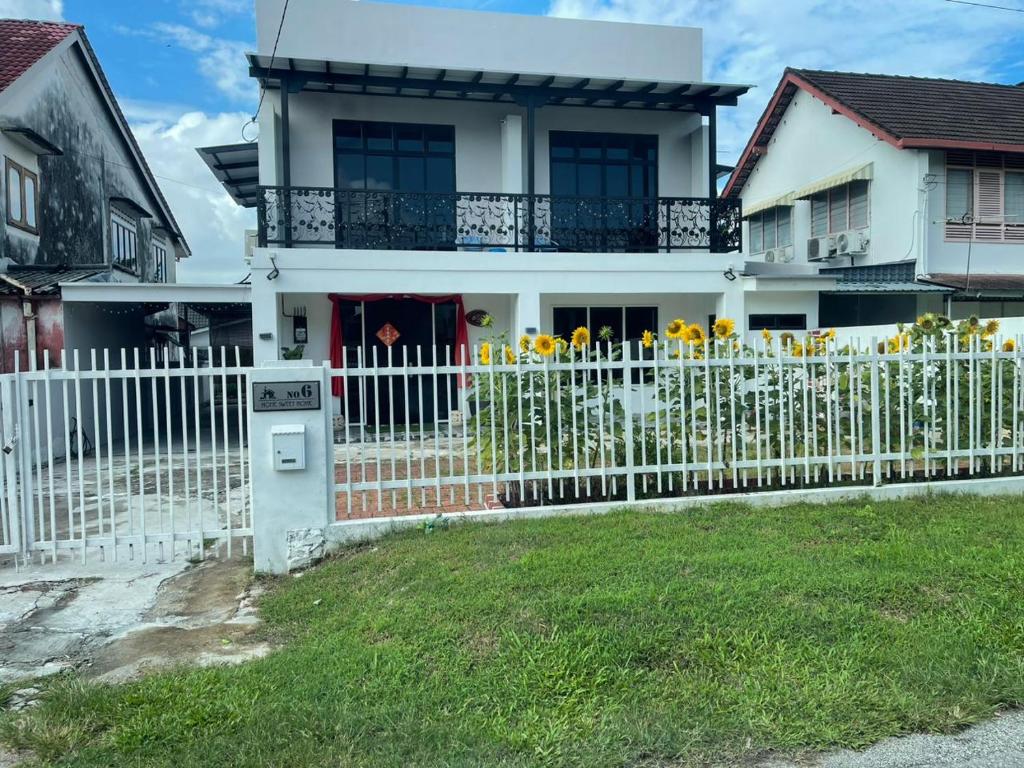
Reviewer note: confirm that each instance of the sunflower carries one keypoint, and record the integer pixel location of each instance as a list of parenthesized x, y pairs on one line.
[(510, 356), (1009, 345), (562, 344), (797, 350), (973, 322), (677, 329), (787, 338), (697, 354), (926, 322), (647, 339), (735, 345), (581, 338), (987, 345), (882, 348), (724, 327), (524, 343), (544, 344), (696, 334), (991, 328), (766, 335), (485, 353), (831, 335)]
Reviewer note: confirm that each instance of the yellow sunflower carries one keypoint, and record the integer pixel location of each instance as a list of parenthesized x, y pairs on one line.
[(510, 356), (766, 335), (1009, 345), (562, 344), (724, 327), (831, 335), (524, 343), (676, 329), (485, 353), (991, 328), (797, 350), (647, 339), (696, 334), (581, 338), (544, 344)]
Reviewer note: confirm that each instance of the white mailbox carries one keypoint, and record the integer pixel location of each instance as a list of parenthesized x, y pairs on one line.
[(289, 446)]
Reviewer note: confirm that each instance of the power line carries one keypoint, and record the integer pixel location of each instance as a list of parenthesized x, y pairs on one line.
[(273, 54), (986, 5)]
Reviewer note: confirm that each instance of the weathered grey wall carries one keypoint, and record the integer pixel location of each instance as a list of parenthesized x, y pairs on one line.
[(62, 103)]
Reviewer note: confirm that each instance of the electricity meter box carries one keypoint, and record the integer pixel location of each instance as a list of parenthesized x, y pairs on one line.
[(288, 442)]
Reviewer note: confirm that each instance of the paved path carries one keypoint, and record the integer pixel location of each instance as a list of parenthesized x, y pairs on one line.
[(997, 743)]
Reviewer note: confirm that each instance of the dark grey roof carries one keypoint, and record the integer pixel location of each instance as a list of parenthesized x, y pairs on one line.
[(897, 277), (43, 281), (236, 166)]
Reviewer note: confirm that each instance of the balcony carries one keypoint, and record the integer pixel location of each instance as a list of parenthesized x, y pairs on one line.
[(303, 217)]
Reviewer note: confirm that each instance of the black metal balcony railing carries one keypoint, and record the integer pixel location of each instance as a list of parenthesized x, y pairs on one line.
[(321, 216)]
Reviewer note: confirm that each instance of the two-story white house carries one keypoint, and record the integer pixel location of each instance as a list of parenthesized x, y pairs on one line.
[(416, 165), (78, 203), (874, 198)]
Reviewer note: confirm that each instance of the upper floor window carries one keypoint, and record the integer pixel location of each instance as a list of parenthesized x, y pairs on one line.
[(839, 208), (124, 240), (984, 196), (772, 228), (22, 197), (403, 157), (159, 260), (591, 164)]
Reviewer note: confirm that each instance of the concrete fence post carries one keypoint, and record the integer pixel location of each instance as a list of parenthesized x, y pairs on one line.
[(291, 444)]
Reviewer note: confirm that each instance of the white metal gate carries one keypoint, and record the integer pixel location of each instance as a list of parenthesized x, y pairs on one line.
[(125, 454)]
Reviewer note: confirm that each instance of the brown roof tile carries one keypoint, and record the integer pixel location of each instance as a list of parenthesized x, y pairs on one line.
[(25, 42)]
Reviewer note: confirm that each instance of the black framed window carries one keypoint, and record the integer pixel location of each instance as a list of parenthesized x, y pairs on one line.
[(401, 157), (405, 177), (604, 189), (777, 322), (124, 240), (626, 323)]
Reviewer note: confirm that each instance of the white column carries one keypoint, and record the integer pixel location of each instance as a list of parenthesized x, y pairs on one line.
[(292, 507), (528, 314), (265, 342), (512, 155), (730, 302)]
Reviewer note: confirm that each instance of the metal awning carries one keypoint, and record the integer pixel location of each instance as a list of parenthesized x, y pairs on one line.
[(157, 293), (764, 205), (490, 86), (862, 172), (236, 166)]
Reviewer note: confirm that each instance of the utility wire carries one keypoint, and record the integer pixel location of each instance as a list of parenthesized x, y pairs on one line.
[(273, 54), (986, 5)]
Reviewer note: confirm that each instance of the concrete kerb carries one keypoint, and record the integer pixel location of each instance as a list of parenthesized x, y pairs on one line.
[(350, 532)]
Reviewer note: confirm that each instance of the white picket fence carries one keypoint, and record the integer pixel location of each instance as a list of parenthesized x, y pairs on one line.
[(125, 454), (569, 430)]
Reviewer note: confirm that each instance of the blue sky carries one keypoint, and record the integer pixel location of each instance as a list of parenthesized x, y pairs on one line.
[(178, 69)]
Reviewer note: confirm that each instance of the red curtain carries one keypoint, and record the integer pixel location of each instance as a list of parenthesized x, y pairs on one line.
[(461, 330)]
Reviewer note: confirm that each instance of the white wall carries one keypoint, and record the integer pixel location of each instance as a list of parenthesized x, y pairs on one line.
[(810, 144), (401, 35)]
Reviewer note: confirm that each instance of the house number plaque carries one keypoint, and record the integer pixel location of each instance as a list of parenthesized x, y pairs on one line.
[(285, 396)]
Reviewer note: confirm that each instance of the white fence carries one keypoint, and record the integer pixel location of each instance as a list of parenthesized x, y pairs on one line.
[(132, 455), (631, 423)]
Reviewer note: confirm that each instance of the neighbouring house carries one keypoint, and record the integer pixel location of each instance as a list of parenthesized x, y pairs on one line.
[(79, 204), (417, 168), (875, 198)]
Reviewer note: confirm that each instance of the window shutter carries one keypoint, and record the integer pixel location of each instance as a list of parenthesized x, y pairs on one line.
[(837, 210), (755, 234), (785, 226), (858, 204), (769, 229), (989, 203), (819, 214)]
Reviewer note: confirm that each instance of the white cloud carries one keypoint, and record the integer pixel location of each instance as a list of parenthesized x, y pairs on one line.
[(221, 61), (210, 13), (211, 221), (752, 41), (49, 10)]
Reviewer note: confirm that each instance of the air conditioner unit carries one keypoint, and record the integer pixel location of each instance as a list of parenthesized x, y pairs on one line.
[(821, 249), (783, 254), (852, 242)]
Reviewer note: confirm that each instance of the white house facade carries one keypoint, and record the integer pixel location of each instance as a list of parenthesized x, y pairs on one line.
[(883, 197), (420, 167)]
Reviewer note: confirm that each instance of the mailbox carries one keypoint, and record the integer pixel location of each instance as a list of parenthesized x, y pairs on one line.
[(289, 446)]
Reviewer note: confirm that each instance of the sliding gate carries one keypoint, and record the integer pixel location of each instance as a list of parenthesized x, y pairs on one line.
[(134, 454)]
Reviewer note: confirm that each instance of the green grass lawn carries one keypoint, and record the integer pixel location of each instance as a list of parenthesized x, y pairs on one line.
[(630, 639)]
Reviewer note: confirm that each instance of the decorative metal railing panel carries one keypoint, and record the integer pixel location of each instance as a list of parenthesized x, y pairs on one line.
[(375, 220)]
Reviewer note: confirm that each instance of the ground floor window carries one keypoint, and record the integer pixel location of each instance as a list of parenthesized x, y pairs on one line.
[(625, 323), (842, 310), (777, 322)]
